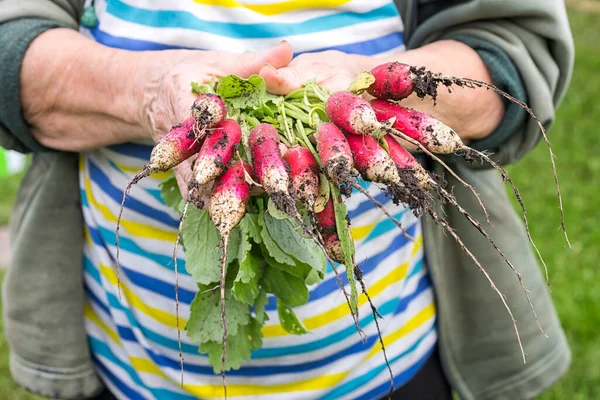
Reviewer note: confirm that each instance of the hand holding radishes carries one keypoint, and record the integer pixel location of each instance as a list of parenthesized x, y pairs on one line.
[(276, 170)]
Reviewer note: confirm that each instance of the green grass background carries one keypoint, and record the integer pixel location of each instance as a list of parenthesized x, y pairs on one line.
[(574, 274)]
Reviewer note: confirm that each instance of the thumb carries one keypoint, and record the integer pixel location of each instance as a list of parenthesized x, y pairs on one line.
[(278, 56)]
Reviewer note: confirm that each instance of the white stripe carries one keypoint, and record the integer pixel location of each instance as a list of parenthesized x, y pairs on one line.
[(241, 15), (208, 41)]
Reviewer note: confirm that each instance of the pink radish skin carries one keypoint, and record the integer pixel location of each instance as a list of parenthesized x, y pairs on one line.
[(351, 113), (209, 110), (218, 148), (335, 152), (175, 147), (393, 81), (371, 160), (304, 173), (434, 135), (269, 167), (228, 200), (405, 161), (328, 229)]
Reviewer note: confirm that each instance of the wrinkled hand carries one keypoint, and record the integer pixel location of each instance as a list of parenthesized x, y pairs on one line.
[(168, 97), (333, 70)]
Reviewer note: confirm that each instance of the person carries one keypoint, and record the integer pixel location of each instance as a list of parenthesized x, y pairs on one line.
[(88, 102)]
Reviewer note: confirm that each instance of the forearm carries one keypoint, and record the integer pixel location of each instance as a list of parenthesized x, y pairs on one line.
[(77, 94), (472, 113)]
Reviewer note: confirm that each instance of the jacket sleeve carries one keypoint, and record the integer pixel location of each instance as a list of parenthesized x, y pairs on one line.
[(21, 21), (533, 34)]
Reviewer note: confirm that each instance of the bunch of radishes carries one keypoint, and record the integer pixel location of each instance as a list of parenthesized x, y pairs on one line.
[(305, 151)]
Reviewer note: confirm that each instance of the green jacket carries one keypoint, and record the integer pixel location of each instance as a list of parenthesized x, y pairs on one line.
[(43, 289)]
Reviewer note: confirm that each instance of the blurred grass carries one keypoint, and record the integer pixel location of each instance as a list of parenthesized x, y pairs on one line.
[(574, 274), (8, 189)]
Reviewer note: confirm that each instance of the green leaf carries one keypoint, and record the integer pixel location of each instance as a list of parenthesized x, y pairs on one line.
[(361, 82), (233, 248), (341, 215), (169, 191), (289, 320), (272, 248), (298, 269), (274, 211), (259, 307), (292, 290), (204, 324), (201, 241), (251, 227), (245, 286), (239, 347), (242, 93), (288, 236), (313, 277)]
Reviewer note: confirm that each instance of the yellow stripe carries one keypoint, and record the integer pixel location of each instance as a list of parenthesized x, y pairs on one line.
[(276, 7), (147, 366), (158, 175), (134, 228), (89, 313), (134, 301), (216, 391), (424, 315), (361, 232)]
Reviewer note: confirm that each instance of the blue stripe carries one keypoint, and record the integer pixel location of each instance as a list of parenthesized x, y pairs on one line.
[(186, 20), (395, 306), (140, 151), (101, 349), (123, 388), (132, 44), (104, 236), (399, 379), (367, 48), (365, 205), (99, 177)]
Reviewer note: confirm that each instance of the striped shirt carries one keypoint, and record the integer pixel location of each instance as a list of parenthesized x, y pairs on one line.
[(134, 338)]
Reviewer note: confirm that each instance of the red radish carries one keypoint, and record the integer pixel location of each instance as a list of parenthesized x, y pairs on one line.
[(328, 229), (227, 208), (405, 161), (433, 134), (336, 155), (335, 152), (371, 160), (218, 148), (304, 173), (209, 110), (270, 168), (393, 81), (351, 113), (435, 137), (174, 148)]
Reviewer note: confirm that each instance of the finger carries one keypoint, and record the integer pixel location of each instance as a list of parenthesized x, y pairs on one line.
[(278, 56), (337, 82), (280, 81), (183, 175)]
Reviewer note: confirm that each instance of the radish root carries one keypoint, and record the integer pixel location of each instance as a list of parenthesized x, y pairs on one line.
[(145, 172), (359, 278), (469, 152), (448, 229), (436, 79)]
